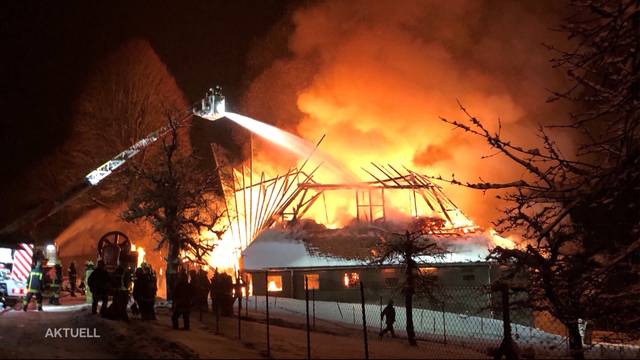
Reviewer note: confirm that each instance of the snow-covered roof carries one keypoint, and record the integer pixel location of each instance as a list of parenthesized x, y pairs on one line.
[(276, 248)]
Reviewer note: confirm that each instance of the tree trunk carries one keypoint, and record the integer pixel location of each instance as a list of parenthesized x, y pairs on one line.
[(172, 268), (508, 347), (575, 341), (408, 302), (174, 248)]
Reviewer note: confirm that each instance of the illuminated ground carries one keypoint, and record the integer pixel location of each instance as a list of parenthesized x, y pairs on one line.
[(26, 334)]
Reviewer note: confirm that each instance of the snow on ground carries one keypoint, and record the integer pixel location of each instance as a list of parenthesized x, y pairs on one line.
[(473, 332), (23, 336), (329, 340)]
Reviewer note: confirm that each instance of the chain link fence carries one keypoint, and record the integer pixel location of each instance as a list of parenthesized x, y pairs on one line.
[(467, 317)]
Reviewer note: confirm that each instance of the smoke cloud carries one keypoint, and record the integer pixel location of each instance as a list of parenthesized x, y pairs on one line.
[(376, 76)]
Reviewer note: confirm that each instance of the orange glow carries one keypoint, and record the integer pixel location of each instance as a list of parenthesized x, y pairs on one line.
[(275, 283), (351, 279), (141, 253), (508, 242)]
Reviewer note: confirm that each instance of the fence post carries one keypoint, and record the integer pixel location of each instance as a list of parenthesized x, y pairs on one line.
[(364, 322), (239, 318), (313, 297), (353, 311), (266, 296), (444, 325), (306, 300), (239, 295), (380, 314), (507, 347), (217, 315), (339, 310)]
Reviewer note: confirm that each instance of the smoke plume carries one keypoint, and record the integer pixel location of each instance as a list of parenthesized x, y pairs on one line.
[(376, 76)]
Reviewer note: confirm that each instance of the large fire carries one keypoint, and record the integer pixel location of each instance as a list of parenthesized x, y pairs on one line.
[(376, 83), (254, 205)]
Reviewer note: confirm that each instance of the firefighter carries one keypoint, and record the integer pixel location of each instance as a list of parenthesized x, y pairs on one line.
[(182, 298), (197, 291), (84, 285), (35, 285), (54, 299), (149, 296), (144, 291), (98, 282), (72, 274), (214, 292), (120, 287), (203, 282), (138, 285), (226, 295), (390, 313), (237, 290)]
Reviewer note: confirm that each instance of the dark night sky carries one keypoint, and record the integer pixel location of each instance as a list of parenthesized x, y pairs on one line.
[(50, 47)]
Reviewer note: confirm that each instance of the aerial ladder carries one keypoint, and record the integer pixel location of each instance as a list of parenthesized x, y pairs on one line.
[(211, 107)]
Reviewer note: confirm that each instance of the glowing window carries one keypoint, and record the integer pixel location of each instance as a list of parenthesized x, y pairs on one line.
[(275, 283), (351, 279), (428, 270), (314, 281)]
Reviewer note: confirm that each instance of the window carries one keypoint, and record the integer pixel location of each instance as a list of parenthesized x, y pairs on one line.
[(428, 270), (314, 281), (351, 279), (468, 277), (391, 282), (275, 283)]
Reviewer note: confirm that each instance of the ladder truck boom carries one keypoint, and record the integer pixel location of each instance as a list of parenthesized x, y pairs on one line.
[(212, 106)]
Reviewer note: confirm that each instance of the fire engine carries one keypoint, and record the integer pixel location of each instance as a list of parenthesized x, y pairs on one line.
[(15, 265)]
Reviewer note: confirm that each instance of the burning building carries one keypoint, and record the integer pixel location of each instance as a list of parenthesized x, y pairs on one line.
[(294, 226)]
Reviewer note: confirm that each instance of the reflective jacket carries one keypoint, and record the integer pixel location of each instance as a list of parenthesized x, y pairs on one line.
[(35, 283)]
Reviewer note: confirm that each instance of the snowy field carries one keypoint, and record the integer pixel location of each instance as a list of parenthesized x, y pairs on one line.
[(473, 332)]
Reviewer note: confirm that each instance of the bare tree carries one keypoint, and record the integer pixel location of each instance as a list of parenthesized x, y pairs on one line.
[(579, 215), (179, 200), (123, 99), (410, 250)]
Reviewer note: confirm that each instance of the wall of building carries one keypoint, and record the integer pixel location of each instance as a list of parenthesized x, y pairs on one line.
[(460, 285)]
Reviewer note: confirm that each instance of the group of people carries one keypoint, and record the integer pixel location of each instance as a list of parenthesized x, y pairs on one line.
[(38, 280), (192, 291), (103, 284)]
